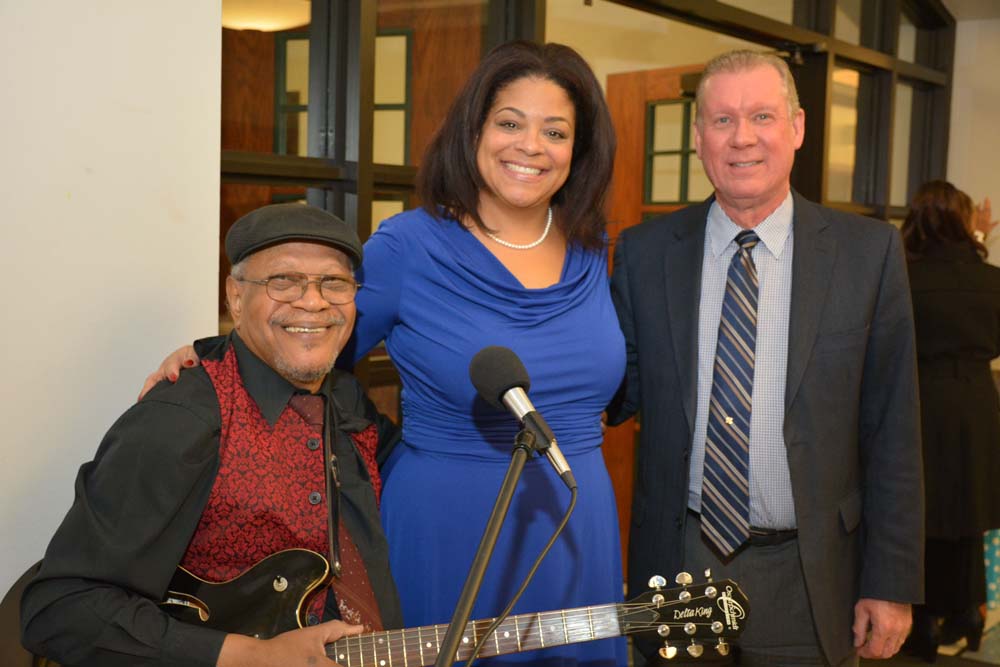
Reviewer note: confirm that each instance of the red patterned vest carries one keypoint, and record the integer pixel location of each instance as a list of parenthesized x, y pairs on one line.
[(270, 490)]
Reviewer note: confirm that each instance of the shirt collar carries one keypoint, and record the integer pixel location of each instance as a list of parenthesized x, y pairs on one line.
[(266, 387), (773, 230)]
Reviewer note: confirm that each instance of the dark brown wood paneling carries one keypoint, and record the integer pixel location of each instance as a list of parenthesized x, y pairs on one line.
[(247, 90)]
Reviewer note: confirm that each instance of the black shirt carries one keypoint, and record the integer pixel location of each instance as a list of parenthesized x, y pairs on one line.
[(138, 503)]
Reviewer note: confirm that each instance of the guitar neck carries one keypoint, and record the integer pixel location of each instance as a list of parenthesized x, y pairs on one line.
[(414, 647)]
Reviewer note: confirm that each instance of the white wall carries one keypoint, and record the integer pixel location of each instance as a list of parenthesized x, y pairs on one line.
[(109, 208), (974, 144)]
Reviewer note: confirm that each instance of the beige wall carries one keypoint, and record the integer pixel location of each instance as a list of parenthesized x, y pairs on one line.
[(108, 241), (613, 38), (974, 144)]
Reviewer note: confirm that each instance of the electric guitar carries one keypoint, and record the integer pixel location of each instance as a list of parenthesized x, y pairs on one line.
[(269, 598)]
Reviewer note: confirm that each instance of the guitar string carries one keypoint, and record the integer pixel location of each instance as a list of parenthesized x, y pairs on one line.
[(578, 629), (578, 616)]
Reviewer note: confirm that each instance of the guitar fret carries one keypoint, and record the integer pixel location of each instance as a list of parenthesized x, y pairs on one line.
[(496, 639), (590, 621), (406, 658), (565, 626), (517, 634), (541, 629), (470, 644), (420, 643), (437, 640)]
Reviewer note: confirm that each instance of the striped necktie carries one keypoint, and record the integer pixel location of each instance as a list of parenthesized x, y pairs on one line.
[(725, 491)]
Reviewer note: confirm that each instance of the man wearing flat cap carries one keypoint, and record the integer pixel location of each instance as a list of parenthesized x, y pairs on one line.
[(225, 468)]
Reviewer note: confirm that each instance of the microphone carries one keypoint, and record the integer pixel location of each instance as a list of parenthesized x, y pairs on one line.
[(501, 380)]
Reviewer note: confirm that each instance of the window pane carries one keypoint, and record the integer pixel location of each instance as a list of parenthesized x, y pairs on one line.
[(447, 40), (297, 71), (699, 187), (668, 127), (258, 58), (296, 135), (390, 137), (907, 46), (901, 145), (390, 69), (665, 181), (843, 130), (383, 209), (847, 25), (779, 10)]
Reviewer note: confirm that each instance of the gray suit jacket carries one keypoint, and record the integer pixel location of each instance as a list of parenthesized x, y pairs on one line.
[(851, 415)]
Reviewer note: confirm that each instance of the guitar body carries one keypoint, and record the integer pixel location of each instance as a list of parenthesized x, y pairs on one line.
[(270, 597), (262, 602)]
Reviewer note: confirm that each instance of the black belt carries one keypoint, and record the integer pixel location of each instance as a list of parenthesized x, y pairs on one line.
[(768, 537), (763, 537)]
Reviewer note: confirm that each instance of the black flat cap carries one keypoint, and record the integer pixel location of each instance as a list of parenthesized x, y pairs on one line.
[(279, 223)]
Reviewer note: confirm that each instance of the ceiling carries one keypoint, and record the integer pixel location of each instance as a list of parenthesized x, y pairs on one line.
[(968, 10)]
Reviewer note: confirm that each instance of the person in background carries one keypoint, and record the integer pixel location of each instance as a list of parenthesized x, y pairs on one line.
[(227, 467), (509, 249), (771, 355), (956, 308)]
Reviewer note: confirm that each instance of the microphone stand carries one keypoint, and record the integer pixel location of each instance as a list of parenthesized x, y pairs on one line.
[(524, 444)]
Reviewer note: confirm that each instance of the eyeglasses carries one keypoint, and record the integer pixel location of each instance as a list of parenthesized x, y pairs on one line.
[(289, 287)]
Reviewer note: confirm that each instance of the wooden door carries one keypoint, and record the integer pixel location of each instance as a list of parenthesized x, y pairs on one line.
[(629, 95)]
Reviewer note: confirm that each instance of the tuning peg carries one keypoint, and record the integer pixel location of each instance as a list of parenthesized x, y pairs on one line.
[(722, 647), (663, 630), (684, 579), (717, 627), (708, 574), (657, 582), (668, 652), (690, 628), (695, 649), (711, 592)]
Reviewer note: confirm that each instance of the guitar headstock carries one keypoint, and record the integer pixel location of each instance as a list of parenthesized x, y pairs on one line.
[(688, 616)]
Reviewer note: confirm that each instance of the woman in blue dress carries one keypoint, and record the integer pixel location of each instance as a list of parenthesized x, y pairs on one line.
[(509, 249)]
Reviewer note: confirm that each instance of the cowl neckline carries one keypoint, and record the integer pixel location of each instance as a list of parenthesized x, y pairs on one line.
[(474, 273)]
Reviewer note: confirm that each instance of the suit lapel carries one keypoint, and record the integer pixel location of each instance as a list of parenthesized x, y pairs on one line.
[(682, 272), (812, 267)]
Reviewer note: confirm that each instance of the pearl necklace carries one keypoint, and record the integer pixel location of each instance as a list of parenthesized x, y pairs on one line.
[(525, 246)]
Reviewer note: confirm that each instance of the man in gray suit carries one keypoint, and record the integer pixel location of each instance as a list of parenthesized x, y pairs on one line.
[(775, 375)]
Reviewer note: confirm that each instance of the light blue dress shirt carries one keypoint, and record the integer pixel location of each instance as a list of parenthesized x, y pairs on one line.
[(771, 504)]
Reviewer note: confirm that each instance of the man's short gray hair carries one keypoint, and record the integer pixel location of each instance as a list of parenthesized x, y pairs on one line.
[(743, 60), (239, 269)]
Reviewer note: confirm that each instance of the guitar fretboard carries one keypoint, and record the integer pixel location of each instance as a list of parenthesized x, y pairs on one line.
[(414, 647)]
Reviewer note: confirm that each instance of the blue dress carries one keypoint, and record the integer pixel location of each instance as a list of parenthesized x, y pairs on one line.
[(437, 296)]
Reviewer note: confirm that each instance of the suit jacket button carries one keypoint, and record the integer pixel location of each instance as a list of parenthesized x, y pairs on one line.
[(312, 443), (312, 619), (315, 497)]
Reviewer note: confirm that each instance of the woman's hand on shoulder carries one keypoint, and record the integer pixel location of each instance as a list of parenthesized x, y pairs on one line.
[(182, 357)]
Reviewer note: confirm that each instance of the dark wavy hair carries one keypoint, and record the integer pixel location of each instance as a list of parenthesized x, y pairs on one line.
[(939, 214), (449, 179)]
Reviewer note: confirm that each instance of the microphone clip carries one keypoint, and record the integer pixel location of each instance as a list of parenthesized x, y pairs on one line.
[(542, 435)]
